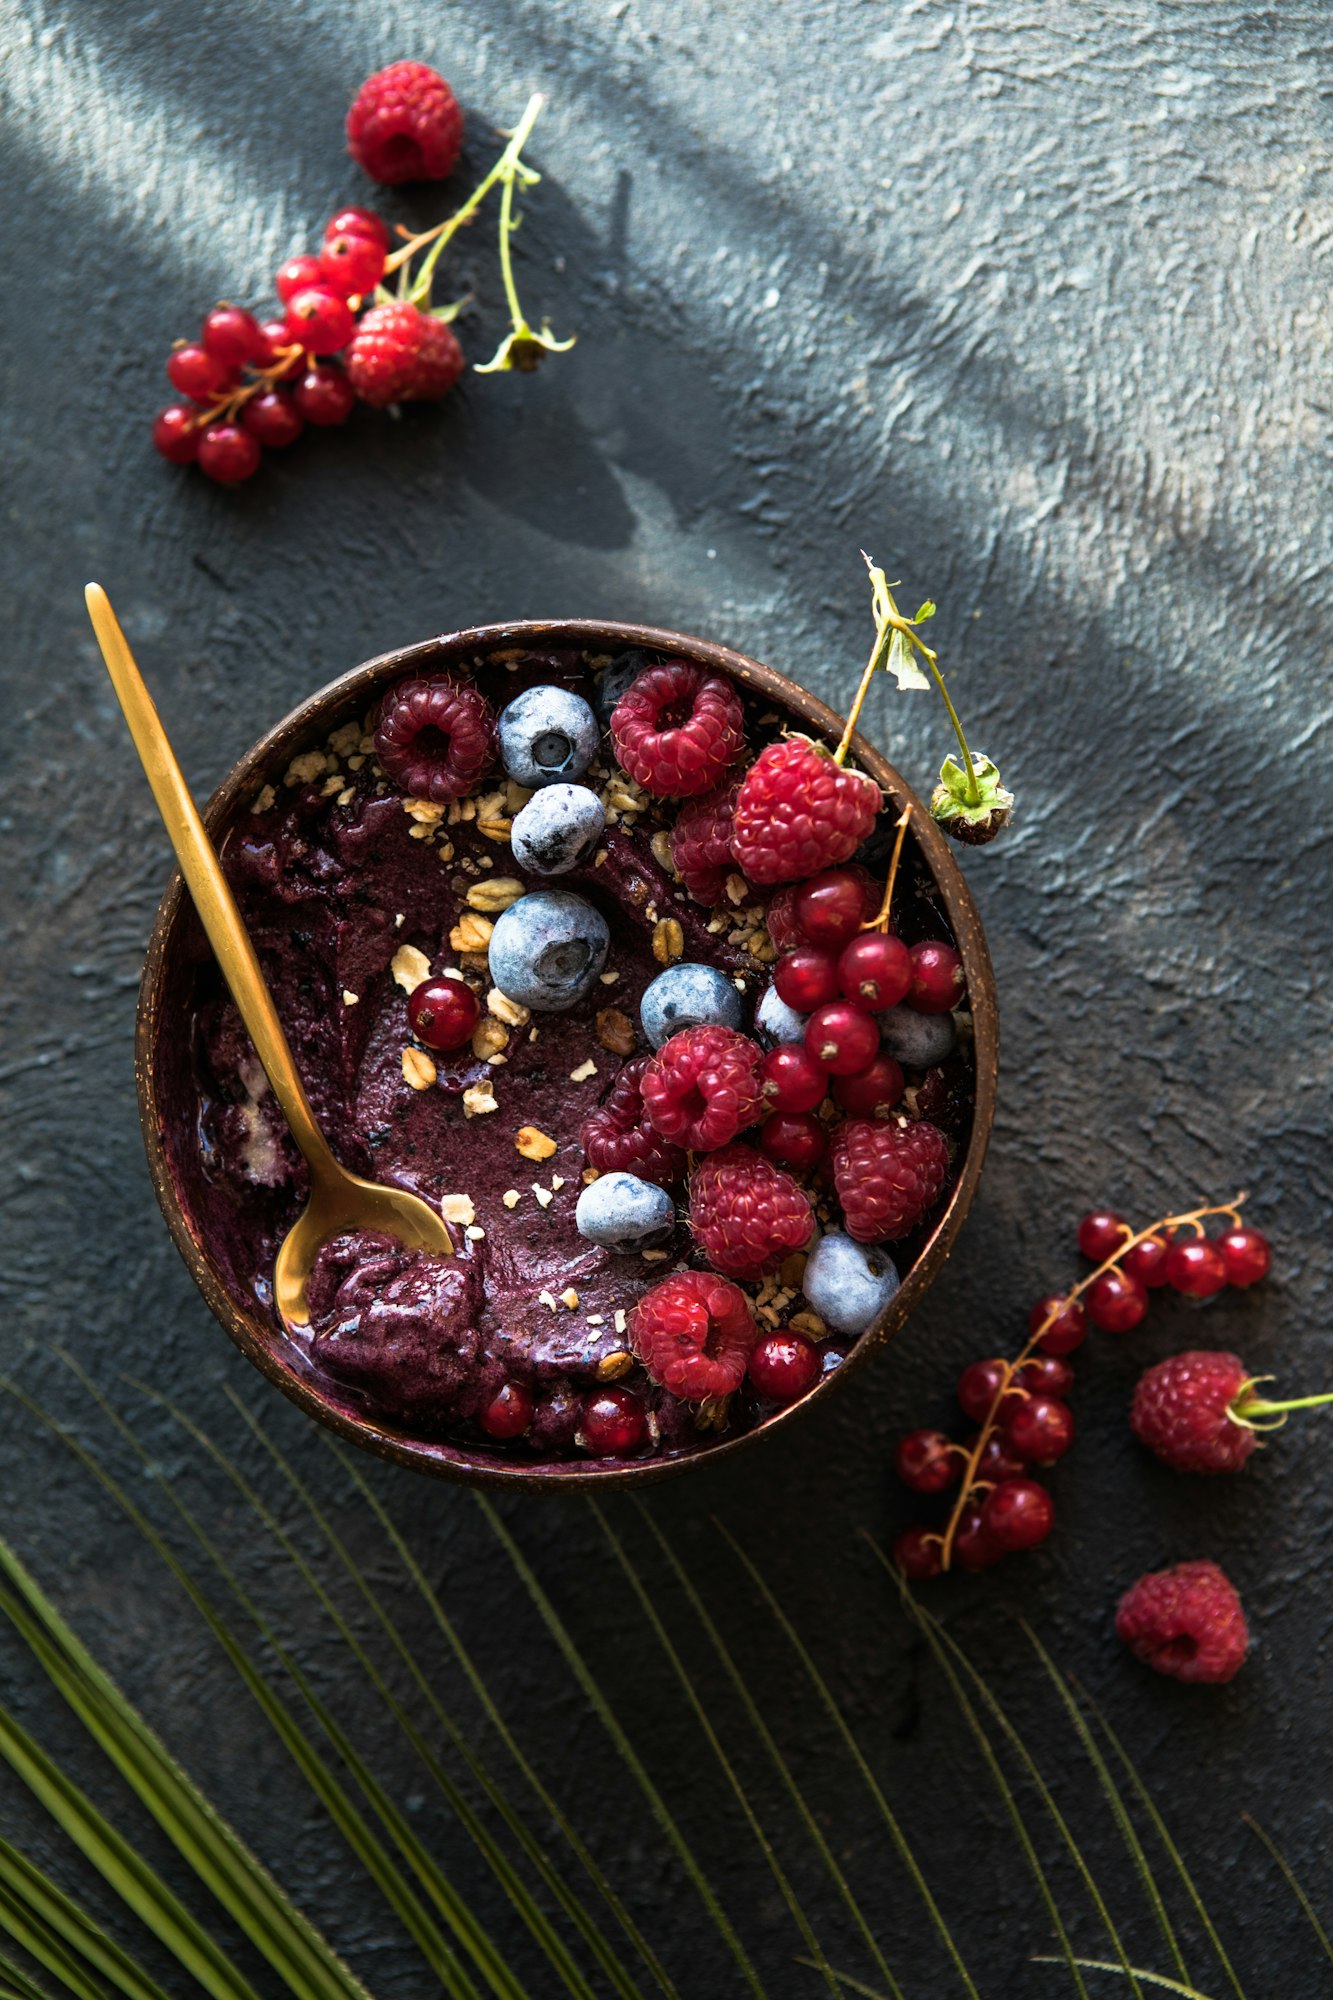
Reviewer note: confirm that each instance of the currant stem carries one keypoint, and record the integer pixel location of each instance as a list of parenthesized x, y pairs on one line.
[(443, 232), (968, 1487), (883, 634), (507, 228), (881, 922)]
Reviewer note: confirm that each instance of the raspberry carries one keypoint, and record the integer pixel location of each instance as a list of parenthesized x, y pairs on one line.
[(676, 729), (703, 1087), (798, 811), (435, 737), (405, 125), (1186, 1622), (746, 1214), (701, 843), (1180, 1412), (619, 1139), (400, 354), (887, 1176), (693, 1333)]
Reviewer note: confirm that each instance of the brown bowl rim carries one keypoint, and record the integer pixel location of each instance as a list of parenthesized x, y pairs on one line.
[(266, 762)]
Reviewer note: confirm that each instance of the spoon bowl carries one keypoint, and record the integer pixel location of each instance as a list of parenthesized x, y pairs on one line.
[(339, 1200)]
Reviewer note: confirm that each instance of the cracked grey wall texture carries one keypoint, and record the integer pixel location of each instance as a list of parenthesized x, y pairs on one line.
[(1028, 300)]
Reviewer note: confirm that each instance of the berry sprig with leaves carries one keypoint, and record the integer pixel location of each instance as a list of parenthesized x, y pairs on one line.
[(343, 332)]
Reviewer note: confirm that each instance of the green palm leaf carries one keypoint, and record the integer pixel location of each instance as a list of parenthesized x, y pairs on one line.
[(1293, 1884), (51, 1927)]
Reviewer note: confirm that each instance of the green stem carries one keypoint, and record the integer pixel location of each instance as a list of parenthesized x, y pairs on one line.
[(890, 621), (973, 788), (444, 232), (507, 227), (1246, 1406)]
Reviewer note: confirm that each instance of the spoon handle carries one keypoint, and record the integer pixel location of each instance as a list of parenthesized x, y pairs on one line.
[(206, 882)]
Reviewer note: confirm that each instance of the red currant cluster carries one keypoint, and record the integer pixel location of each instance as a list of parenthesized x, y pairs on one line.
[(251, 383), (1020, 1406)]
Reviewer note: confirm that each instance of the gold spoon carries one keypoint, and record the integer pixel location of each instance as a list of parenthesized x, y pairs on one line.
[(338, 1200)]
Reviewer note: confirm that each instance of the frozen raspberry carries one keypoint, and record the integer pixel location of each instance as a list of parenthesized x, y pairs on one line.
[(887, 1175), (798, 811), (405, 125), (703, 1087), (435, 737), (1186, 1622), (676, 729), (400, 354), (746, 1214), (693, 1333), (1181, 1408), (701, 843), (619, 1139)]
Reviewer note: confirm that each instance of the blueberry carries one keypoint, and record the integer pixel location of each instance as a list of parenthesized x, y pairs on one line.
[(547, 734), (615, 680), (688, 996), (557, 829), (547, 949), (847, 1283), (915, 1040), (625, 1214), (778, 1022)]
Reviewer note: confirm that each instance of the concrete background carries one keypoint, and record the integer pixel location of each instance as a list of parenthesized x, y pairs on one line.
[(1031, 302)]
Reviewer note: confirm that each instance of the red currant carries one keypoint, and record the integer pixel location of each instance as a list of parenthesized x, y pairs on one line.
[(443, 1012), (792, 1080), (978, 1386), (807, 978), (842, 1038), (928, 1462), (937, 978), (359, 222), (1247, 1254), (273, 418), (783, 1366), (198, 374), (232, 336), (277, 340), (918, 1554), (351, 264), (1040, 1428), (871, 1090), (614, 1424), (296, 275), (793, 1139), (875, 970), (1146, 1260), (1066, 1331), (1018, 1514), (1045, 1375), (831, 908), (1196, 1267), (1101, 1234), (176, 433), (320, 320), (998, 1458), (973, 1545), (228, 454), (1115, 1302), (784, 926), (509, 1411), (325, 395)]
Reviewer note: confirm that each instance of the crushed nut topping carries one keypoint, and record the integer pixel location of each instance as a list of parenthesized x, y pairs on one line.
[(418, 1069), (350, 999), (511, 1197), (513, 1012), (424, 811), (475, 1233), (458, 1208), (583, 1072), (668, 940), (495, 894), (480, 1099), (544, 1195), (661, 846), (489, 1040), (569, 1297), (303, 770), (615, 1031), (409, 967), (608, 978), (263, 799), (534, 1145), (472, 932)]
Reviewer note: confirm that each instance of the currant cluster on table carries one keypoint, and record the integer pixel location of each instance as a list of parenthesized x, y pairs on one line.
[(1020, 1407)]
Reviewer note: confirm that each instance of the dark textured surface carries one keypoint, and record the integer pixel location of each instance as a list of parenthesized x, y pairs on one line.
[(1030, 301)]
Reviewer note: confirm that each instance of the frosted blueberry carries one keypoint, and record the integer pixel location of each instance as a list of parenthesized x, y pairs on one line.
[(547, 735), (547, 949), (615, 680), (557, 829), (848, 1284), (688, 996), (625, 1214), (917, 1041), (778, 1022)]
